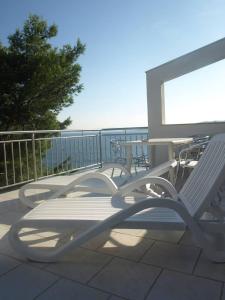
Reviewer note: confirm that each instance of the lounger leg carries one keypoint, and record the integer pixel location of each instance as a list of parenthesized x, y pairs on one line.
[(57, 253), (25, 200), (37, 255)]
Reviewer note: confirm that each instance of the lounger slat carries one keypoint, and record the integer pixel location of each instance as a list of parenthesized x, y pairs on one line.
[(97, 209), (203, 183)]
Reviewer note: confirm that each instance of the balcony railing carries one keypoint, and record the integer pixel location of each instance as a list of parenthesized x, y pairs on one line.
[(31, 155)]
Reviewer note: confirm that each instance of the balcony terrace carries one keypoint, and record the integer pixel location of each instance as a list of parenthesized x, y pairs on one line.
[(118, 264), (121, 263)]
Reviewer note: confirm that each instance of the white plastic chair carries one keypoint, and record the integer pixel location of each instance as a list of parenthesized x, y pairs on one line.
[(191, 208), (103, 181), (189, 157), (57, 183)]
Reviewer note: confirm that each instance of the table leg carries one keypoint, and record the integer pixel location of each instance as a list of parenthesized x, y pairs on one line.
[(171, 152), (129, 156), (153, 155), (171, 155)]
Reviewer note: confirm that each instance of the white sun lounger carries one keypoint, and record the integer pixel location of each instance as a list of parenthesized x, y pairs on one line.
[(100, 182), (56, 183), (184, 210)]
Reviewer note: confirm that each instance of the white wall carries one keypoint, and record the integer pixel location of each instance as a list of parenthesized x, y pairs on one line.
[(155, 94)]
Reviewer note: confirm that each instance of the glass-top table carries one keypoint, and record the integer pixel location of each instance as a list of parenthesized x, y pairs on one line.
[(171, 143)]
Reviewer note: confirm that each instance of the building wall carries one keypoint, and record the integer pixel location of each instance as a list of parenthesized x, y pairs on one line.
[(155, 95)]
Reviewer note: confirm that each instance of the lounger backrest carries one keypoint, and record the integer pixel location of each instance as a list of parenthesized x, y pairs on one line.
[(203, 183)]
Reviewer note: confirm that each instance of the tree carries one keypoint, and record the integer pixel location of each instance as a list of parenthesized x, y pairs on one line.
[(37, 80)]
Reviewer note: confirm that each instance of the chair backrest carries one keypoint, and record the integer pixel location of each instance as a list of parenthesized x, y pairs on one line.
[(202, 185)]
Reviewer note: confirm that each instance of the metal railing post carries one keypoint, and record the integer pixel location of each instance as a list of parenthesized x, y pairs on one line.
[(100, 147), (5, 164), (34, 157)]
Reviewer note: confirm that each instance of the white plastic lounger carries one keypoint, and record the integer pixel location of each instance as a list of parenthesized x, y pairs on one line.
[(188, 209), (189, 157), (93, 181), (56, 183)]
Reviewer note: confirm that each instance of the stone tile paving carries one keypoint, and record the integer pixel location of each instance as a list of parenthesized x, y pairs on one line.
[(126, 279), (126, 246), (187, 239), (163, 235), (171, 256), (69, 290), (206, 268), (97, 241), (81, 265), (119, 264), (223, 294), (176, 286), (116, 298), (24, 282), (7, 264)]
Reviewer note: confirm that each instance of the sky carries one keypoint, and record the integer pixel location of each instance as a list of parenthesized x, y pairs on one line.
[(124, 39)]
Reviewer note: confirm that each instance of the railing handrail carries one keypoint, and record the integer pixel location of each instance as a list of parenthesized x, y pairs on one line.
[(123, 128), (68, 130)]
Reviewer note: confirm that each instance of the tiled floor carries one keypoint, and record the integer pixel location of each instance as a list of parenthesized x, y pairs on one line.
[(119, 264)]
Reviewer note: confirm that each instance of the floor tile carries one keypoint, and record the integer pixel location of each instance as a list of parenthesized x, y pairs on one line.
[(4, 229), (9, 205), (69, 290), (177, 286), (7, 264), (11, 195), (171, 236), (32, 240), (127, 246), (188, 240), (115, 298), (135, 232), (64, 234), (98, 241), (209, 269), (6, 248), (126, 279), (223, 294), (81, 265), (4, 208), (175, 257), (25, 283), (11, 217)]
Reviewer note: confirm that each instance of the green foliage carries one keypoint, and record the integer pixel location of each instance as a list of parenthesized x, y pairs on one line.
[(37, 80)]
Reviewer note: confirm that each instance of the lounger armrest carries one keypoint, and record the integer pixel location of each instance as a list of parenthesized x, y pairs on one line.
[(190, 148), (96, 175), (130, 187), (163, 168), (32, 186), (159, 202)]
